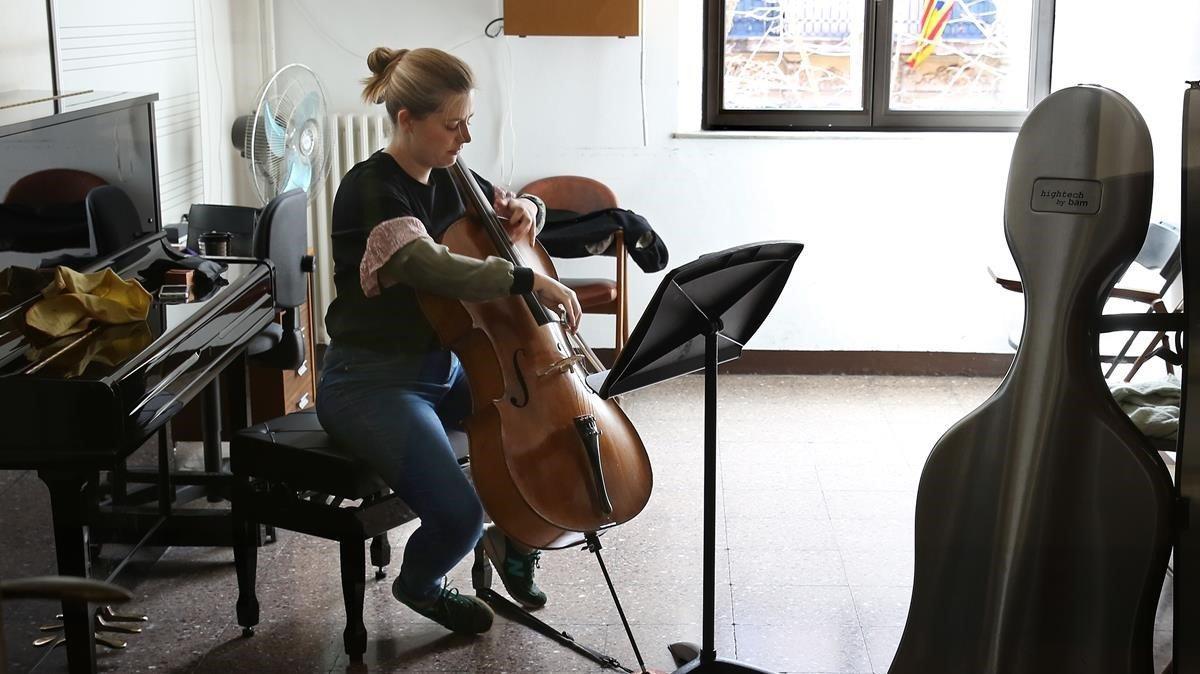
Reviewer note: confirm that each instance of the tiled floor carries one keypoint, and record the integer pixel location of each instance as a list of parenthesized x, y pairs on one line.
[(814, 552)]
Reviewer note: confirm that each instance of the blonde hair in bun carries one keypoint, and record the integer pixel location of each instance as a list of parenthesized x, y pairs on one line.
[(416, 79)]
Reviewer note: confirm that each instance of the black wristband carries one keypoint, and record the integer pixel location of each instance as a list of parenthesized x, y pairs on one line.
[(522, 280)]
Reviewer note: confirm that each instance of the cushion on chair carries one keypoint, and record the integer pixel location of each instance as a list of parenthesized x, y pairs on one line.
[(592, 292), (295, 449)]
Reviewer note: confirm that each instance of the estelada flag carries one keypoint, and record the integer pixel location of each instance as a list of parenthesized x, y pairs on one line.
[(933, 22)]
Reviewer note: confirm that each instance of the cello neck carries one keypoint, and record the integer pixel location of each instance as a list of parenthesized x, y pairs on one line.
[(477, 202), (485, 216)]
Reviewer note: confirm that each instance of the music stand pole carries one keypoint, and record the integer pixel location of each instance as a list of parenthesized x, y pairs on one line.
[(707, 661), (708, 651), (701, 315)]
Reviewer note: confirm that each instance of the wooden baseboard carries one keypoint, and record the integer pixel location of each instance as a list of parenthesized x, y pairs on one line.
[(900, 363)]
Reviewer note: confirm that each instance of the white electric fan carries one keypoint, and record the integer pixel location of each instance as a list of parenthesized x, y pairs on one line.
[(286, 139)]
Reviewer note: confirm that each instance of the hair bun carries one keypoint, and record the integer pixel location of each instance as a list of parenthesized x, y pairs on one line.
[(382, 58)]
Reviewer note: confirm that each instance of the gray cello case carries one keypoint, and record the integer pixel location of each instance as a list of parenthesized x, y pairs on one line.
[(1042, 520)]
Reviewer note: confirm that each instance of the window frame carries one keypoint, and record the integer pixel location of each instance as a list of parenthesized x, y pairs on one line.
[(875, 114)]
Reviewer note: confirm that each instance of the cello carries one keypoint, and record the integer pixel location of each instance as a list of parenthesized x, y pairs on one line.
[(551, 460)]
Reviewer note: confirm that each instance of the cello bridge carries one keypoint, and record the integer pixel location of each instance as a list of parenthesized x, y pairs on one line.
[(562, 365)]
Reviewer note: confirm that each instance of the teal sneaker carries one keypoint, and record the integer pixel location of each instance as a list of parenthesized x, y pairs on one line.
[(456, 612), (516, 569)]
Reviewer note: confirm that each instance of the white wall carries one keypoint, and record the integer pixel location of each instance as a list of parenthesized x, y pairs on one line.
[(24, 46), (234, 59), (898, 231)]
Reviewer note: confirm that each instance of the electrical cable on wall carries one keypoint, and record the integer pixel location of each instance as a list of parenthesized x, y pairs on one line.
[(317, 27), (507, 121), (212, 43), (512, 130), (642, 63)]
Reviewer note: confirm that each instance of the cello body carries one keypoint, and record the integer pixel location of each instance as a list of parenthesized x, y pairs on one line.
[(550, 459), (1042, 518)]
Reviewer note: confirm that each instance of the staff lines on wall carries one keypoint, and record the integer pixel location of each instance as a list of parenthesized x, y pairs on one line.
[(176, 120), (144, 33), (127, 24), (159, 50), (130, 63), (180, 192), (178, 185), (144, 53), (182, 167), (187, 101), (129, 44), (183, 195), (172, 115), (176, 175), (176, 100)]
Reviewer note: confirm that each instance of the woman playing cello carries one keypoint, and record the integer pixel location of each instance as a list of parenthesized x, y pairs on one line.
[(388, 390)]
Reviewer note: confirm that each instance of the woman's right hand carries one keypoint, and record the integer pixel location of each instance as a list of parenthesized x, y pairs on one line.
[(558, 298)]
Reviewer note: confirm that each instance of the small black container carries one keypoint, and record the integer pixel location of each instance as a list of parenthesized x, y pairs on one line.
[(215, 244)]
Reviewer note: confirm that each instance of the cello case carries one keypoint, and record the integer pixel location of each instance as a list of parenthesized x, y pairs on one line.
[(1042, 517)]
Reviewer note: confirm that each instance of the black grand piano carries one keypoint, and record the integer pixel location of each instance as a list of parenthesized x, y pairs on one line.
[(80, 405)]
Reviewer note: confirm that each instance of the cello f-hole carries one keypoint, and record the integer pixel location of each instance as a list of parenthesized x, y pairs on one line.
[(520, 381)]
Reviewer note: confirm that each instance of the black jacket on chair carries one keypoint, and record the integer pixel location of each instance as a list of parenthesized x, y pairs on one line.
[(568, 234)]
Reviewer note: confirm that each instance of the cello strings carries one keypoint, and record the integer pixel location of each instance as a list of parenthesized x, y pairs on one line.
[(574, 350)]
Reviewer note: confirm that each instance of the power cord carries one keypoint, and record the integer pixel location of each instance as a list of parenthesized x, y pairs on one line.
[(512, 130), (316, 25), (217, 137), (642, 63), (488, 31)]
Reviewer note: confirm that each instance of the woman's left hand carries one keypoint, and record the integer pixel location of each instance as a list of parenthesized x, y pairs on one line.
[(520, 214)]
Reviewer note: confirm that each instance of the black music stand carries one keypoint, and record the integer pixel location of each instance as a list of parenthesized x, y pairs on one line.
[(702, 314)]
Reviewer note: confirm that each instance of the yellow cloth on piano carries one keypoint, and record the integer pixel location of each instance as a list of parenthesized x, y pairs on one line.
[(111, 346), (73, 301)]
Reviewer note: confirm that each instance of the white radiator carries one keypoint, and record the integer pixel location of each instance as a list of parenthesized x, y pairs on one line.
[(356, 137)]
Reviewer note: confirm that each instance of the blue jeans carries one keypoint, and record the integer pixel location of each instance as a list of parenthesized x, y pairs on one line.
[(391, 411)]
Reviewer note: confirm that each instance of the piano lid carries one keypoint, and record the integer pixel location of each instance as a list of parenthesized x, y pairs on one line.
[(53, 154), (26, 109)]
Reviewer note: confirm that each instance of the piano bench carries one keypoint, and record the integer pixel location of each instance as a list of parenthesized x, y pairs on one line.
[(288, 473)]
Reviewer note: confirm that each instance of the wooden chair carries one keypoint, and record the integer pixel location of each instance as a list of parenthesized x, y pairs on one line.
[(596, 295)]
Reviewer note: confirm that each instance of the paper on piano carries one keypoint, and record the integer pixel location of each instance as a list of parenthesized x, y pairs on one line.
[(74, 301)]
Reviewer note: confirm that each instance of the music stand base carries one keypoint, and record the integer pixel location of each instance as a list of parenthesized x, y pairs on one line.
[(481, 581), (720, 666), (683, 652)]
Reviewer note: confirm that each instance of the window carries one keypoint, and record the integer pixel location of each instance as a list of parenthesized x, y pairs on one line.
[(875, 64)]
